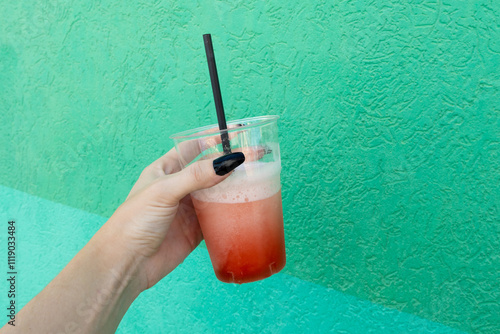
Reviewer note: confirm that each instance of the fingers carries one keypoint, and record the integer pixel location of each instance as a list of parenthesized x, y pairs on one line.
[(192, 148), (167, 164), (252, 153), (199, 175), (170, 163)]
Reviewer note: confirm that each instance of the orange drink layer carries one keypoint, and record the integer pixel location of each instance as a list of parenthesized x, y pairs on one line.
[(242, 223)]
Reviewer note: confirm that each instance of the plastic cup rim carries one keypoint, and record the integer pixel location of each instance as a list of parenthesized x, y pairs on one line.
[(196, 132)]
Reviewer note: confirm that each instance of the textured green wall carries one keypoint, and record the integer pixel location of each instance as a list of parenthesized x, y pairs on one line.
[(390, 127)]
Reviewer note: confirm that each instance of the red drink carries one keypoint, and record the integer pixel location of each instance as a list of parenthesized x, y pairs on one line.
[(245, 240), (241, 217), (242, 223)]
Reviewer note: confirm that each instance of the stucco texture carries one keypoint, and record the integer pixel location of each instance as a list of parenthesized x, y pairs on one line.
[(389, 128)]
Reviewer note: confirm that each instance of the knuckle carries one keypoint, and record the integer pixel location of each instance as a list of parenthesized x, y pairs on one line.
[(156, 188), (147, 171), (161, 190), (144, 172), (197, 173)]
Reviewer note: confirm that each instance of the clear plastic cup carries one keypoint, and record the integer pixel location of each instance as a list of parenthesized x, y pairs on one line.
[(242, 217)]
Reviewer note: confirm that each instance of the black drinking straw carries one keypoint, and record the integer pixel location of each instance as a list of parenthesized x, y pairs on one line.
[(221, 118)]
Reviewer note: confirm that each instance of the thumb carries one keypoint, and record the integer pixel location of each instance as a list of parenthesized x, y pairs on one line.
[(201, 174)]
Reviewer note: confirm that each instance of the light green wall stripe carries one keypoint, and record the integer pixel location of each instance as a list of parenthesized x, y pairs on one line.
[(191, 299)]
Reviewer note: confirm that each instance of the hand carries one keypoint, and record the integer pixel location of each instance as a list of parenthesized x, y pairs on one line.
[(145, 239), (157, 222)]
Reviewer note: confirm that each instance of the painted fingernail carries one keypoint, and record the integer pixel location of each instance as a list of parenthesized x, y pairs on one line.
[(267, 150), (226, 163)]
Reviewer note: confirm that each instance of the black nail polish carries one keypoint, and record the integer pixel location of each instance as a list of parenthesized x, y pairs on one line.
[(228, 162)]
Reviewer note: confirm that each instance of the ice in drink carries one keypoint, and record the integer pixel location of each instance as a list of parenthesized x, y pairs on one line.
[(242, 223)]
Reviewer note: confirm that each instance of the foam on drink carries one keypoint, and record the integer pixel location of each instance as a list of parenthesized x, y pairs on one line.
[(252, 181)]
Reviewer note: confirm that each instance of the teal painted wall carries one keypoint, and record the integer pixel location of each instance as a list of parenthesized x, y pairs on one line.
[(191, 300), (390, 128)]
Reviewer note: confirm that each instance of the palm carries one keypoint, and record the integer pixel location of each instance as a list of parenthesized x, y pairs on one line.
[(164, 234), (183, 235)]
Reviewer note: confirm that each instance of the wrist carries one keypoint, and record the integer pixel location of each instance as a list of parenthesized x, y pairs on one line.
[(118, 260), (93, 291)]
